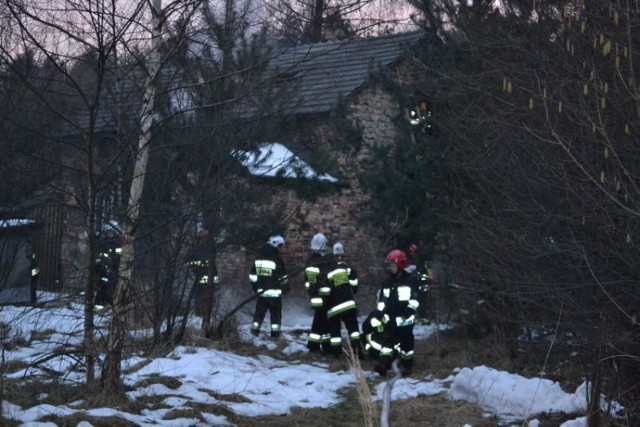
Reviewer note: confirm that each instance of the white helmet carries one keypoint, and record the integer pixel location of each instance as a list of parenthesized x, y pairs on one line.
[(319, 242), (338, 249), (276, 241), (112, 225)]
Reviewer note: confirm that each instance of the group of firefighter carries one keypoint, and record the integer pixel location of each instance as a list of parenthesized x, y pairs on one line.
[(331, 282), (107, 264)]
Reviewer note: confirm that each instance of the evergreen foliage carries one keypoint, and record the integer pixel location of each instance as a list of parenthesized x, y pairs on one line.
[(540, 112), (28, 163), (410, 180)]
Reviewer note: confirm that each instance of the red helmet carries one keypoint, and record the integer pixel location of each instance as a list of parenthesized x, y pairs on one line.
[(399, 258)]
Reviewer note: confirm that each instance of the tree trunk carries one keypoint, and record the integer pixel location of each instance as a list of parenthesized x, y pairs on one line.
[(112, 387), (89, 344), (318, 21)]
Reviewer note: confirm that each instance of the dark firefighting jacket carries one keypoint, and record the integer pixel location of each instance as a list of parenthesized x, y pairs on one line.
[(108, 261), (398, 298), (268, 275), (199, 266), (342, 283), (316, 279)]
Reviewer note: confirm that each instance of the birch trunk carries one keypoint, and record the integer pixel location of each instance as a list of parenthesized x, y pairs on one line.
[(112, 387)]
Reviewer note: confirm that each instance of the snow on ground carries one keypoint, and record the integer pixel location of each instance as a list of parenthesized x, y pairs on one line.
[(267, 385)]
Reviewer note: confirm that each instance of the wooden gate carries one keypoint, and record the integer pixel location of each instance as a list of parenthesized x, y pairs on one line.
[(47, 243)]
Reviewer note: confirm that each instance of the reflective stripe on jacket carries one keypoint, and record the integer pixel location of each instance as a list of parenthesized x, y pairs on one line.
[(268, 276), (316, 279), (398, 297), (341, 299)]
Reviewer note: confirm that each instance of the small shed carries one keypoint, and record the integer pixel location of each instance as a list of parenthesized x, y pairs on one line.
[(17, 262)]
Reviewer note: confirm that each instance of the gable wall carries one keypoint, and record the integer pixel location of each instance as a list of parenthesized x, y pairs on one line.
[(337, 215)]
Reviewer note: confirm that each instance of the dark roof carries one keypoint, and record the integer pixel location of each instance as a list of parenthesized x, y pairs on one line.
[(321, 73), (122, 101)]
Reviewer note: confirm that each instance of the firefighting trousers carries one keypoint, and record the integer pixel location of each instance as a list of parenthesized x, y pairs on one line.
[(202, 298), (397, 340), (320, 335), (350, 320), (104, 294), (274, 307)]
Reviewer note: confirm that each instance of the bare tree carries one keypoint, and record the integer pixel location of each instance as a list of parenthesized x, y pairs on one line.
[(314, 21), (58, 36), (536, 109), (97, 35), (236, 108), (112, 386)]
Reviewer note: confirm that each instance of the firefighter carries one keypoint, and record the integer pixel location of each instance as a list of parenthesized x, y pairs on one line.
[(396, 310), (338, 251), (35, 276), (342, 308), (269, 280), (372, 334), (318, 290), (107, 265), (421, 264), (203, 286)]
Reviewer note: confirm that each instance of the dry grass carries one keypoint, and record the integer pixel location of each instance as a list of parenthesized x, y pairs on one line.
[(437, 356), (437, 411), (74, 420), (369, 410), (169, 382), (358, 408), (31, 393)]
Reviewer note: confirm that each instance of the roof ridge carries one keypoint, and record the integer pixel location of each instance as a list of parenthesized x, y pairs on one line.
[(324, 72)]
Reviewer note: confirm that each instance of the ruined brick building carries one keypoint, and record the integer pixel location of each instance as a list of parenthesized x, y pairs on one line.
[(330, 78), (327, 75)]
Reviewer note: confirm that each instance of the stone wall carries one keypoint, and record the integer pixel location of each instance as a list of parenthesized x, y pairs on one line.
[(338, 215)]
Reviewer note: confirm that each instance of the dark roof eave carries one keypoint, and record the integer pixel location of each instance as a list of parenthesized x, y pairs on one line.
[(278, 180)]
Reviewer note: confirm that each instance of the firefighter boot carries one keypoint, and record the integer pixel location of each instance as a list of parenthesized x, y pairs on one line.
[(380, 369)]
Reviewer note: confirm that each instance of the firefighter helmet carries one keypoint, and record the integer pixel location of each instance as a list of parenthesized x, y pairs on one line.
[(112, 226), (276, 241), (319, 242), (338, 249), (399, 258)]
